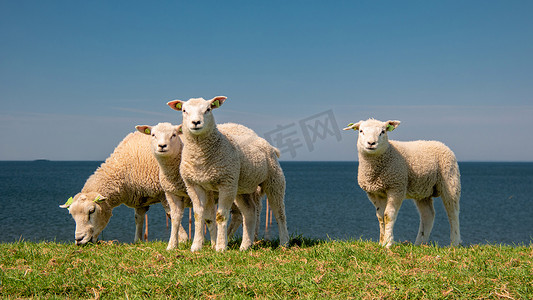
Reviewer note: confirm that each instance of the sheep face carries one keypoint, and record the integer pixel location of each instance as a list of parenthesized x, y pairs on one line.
[(90, 215), (197, 113), (373, 139), (165, 141)]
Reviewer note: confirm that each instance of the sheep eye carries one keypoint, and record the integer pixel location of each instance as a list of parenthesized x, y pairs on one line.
[(91, 211), (183, 110), (382, 132), (208, 110), (173, 135)]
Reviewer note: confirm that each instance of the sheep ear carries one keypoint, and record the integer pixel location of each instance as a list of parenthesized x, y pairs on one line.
[(99, 198), (144, 129), (179, 129), (353, 126), (217, 101), (391, 125), (68, 203), (176, 104)]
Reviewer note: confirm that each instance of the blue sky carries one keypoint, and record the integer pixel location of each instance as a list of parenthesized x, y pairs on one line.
[(77, 76)]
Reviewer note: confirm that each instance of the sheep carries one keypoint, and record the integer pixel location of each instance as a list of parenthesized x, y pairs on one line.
[(130, 176), (391, 171), (231, 165), (166, 147)]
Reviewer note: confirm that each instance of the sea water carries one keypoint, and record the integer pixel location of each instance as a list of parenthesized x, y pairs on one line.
[(322, 201)]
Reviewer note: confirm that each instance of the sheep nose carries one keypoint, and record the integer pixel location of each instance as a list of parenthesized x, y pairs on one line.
[(78, 240), (163, 146), (196, 123), (371, 143)]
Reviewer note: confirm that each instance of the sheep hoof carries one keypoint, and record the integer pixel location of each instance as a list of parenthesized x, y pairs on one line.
[(183, 238), (196, 248), (456, 243), (284, 241), (389, 244), (244, 247)]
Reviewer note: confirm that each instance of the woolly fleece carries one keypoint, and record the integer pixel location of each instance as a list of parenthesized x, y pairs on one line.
[(230, 164), (391, 171), (130, 176)]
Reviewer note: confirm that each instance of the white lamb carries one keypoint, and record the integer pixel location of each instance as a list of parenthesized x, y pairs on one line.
[(230, 165), (167, 147), (391, 171), (130, 176)]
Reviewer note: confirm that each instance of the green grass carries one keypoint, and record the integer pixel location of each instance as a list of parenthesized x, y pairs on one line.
[(307, 269)]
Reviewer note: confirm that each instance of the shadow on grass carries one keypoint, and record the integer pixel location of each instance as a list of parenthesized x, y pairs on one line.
[(294, 241)]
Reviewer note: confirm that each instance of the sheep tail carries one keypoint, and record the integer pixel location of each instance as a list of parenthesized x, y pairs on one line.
[(451, 180)]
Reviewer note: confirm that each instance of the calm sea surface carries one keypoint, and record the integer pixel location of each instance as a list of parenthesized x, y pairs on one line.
[(322, 200)]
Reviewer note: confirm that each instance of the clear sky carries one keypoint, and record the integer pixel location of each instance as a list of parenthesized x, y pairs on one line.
[(77, 76)]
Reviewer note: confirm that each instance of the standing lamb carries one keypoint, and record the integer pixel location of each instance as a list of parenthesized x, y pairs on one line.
[(167, 147), (130, 176), (391, 171), (231, 165)]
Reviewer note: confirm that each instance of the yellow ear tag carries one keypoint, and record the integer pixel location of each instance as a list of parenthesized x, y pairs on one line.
[(216, 104), (178, 105), (97, 199), (147, 131), (69, 201), (390, 127), (351, 125)]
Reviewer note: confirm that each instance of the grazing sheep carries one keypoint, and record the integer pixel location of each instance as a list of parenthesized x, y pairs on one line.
[(166, 147), (130, 176), (391, 171), (233, 166)]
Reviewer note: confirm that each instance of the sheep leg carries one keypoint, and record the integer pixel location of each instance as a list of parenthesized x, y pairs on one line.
[(225, 200), (236, 216), (451, 204), (176, 214), (182, 236), (275, 192), (247, 207), (199, 198), (258, 208), (236, 220), (394, 202), (140, 212), (209, 218), (380, 204), (427, 216)]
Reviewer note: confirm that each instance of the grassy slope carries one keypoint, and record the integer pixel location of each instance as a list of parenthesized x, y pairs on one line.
[(308, 269)]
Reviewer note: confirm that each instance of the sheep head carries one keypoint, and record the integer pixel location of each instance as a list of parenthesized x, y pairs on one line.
[(165, 141), (373, 139), (91, 214), (197, 113)]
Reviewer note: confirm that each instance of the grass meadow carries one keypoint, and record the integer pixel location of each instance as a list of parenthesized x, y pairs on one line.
[(308, 268)]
